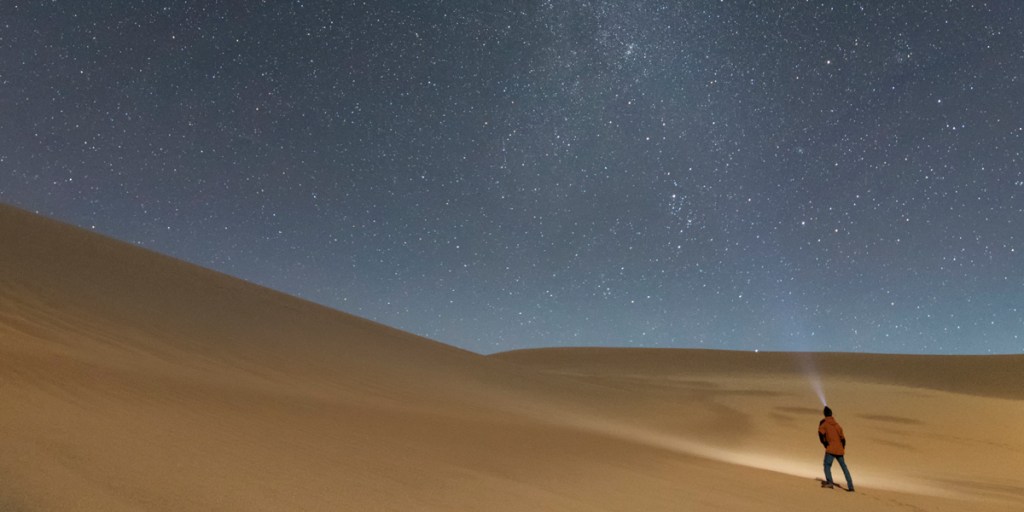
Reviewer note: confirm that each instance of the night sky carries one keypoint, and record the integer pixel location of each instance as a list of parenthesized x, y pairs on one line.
[(771, 175)]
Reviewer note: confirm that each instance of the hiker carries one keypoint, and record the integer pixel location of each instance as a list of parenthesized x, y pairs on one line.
[(831, 436)]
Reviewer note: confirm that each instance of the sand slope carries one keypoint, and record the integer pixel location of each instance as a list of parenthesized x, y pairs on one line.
[(133, 381)]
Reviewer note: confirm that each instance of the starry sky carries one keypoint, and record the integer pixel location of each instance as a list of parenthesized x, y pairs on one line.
[(752, 175)]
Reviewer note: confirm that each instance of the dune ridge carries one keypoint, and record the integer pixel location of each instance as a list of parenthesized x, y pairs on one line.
[(133, 381), (990, 375)]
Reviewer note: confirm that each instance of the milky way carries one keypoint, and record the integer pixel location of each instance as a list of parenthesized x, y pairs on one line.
[(497, 175)]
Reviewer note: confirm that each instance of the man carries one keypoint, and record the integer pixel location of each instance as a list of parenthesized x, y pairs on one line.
[(831, 435)]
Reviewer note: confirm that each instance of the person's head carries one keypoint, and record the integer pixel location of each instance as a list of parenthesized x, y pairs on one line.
[(828, 411)]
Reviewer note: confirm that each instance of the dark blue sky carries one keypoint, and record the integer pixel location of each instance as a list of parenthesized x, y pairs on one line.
[(497, 175)]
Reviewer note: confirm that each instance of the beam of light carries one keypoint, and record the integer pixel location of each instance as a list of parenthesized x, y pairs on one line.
[(791, 325), (810, 371)]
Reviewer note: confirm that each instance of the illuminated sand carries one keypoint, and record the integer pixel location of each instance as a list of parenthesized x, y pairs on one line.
[(131, 381)]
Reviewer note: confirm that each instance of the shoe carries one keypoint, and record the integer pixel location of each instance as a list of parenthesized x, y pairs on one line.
[(827, 485)]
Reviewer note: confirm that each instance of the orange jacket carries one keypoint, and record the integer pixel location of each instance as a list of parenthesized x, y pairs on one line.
[(831, 435)]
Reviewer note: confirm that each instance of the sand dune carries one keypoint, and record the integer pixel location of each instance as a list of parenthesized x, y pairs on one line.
[(133, 381), (908, 430)]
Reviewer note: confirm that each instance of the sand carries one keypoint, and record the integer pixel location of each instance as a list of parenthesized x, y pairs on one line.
[(133, 381)]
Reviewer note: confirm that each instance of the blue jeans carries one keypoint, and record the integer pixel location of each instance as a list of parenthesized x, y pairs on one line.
[(842, 463)]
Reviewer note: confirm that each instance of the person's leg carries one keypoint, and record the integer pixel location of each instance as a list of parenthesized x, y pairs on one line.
[(828, 467), (846, 473)]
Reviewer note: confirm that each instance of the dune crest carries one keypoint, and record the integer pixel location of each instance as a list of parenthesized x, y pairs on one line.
[(134, 381)]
